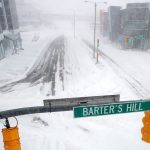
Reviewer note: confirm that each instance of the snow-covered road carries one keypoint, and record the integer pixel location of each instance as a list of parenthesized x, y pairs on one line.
[(44, 71), (137, 86), (82, 77)]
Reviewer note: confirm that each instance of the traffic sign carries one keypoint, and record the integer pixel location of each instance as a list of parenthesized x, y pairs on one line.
[(112, 108), (66, 104), (63, 104)]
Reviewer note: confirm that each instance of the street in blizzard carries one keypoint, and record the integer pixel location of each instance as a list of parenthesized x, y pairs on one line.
[(74, 69)]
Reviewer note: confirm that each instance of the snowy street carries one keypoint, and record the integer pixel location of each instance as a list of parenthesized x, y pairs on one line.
[(45, 68), (66, 68), (75, 75)]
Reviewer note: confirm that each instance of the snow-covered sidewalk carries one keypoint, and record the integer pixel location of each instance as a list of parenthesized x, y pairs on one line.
[(135, 63), (16, 66)]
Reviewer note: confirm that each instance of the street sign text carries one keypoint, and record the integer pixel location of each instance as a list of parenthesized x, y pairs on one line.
[(113, 108)]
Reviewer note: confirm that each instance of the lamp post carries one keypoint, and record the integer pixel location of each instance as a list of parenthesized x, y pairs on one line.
[(95, 9), (74, 22)]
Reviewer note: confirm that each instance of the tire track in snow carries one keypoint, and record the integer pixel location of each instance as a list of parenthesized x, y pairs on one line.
[(44, 71)]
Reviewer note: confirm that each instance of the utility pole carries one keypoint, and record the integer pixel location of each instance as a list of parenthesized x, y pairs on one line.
[(97, 51), (94, 30), (74, 13), (95, 6)]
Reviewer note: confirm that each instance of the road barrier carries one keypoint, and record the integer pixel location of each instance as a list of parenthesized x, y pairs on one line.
[(11, 138)]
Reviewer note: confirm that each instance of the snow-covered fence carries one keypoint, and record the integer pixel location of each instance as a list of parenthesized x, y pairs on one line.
[(2, 52), (10, 43)]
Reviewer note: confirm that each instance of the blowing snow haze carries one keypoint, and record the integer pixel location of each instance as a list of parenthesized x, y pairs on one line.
[(61, 6), (67, 6), (65, 54)]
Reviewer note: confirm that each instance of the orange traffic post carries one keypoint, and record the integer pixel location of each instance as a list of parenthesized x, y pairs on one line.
[(146, 129), (126, 39), (11, 138)]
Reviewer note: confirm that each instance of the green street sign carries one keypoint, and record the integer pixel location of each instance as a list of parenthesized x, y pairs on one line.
[(112, 108)]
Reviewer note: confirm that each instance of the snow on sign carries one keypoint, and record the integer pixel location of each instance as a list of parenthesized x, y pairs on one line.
[(113, 108)]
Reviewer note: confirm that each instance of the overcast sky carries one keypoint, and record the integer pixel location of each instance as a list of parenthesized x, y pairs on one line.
[(67, 6)]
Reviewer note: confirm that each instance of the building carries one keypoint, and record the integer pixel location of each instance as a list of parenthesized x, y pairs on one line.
[(2, 27), (136, 26), (114, 21), (2, 16), (11, 14), (130, 27), (8, 15), (9, 28), (104, 27)]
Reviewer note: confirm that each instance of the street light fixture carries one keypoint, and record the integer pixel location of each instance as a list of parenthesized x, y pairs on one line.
[(95, 5)]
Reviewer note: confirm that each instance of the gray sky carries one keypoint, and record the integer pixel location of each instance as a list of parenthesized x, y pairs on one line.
[(67, 6), (63, 6)]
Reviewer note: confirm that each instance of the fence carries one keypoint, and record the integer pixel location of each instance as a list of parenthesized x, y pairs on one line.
[(10, 44)]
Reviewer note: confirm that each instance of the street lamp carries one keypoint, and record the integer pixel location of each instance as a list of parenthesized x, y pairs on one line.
[(74, 22), (95, 6)]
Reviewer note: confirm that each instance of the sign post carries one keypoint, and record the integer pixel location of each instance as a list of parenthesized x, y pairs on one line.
[(97, 50), (82, 107), (57, 105), (113, 108)]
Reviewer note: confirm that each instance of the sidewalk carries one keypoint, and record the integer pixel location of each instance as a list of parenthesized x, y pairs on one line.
[(15, 66), (134, 62)]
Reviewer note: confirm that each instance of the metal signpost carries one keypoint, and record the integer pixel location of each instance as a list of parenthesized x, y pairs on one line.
[(97, 51), (11, 135), (95, 10), (57, 105), (67, 104), (113, 108), (82, 107)]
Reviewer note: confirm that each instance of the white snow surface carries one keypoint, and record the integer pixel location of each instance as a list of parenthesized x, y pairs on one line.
[(15, 66), (83, 77)]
